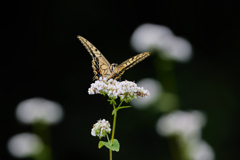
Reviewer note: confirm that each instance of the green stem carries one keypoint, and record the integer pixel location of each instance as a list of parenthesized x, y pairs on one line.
[(114, 126), (114, 121), (110, 152), (174, 150), (108, 139), (43, 131)]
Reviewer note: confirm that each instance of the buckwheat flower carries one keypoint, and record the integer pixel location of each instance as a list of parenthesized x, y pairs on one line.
[(25, 145), (151, 36), (39, 110), (200, 150), (156, 91), (126, 90), (101, 128), (90, 91), (185, 124)]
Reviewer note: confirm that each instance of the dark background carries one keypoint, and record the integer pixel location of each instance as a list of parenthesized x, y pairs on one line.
[(41, 57)]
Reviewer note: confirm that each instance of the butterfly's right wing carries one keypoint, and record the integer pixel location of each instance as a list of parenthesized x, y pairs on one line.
[(100, 65), (130, 63)]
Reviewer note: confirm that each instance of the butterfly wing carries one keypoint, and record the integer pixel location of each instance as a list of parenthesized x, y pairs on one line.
[(130, 63), (100, 65)]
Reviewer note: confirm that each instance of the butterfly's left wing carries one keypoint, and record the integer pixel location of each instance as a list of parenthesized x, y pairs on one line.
[(100, 65), (130, 63)]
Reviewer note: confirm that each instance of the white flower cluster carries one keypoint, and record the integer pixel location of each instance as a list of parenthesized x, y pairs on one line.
[(101, 128), (187, 126), (126, 90), (151, 36), (39, 110), (25, 145)]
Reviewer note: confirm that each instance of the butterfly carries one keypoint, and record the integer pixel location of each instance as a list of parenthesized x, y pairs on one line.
[(101, 66)]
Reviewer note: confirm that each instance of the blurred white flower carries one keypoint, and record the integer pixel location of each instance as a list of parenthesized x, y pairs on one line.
[(154, 87), (39, 109), (148, 36), (151, 36), (25, 145), (176, 48), (185, 124), (126, 90), (101, 128), (200, 150)]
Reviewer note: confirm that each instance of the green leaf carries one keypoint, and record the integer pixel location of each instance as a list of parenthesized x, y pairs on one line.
[(112, 102), (100, 144), (114, 147), (113, 112)]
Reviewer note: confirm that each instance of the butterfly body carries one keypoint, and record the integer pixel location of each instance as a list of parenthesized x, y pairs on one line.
[(101, 66)]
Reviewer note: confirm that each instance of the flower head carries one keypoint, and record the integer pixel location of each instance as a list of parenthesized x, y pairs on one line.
[(185, 124), (156, 90), (101, 128), (25, 145), (151, 36), (39, 110), (126, 90)]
